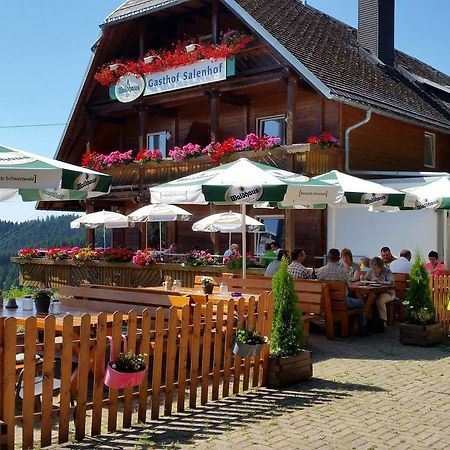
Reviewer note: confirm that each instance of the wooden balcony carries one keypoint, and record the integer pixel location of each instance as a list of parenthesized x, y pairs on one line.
[(308, 160)]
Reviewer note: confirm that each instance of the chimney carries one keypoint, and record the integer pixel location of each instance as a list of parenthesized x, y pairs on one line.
[(376, 28)]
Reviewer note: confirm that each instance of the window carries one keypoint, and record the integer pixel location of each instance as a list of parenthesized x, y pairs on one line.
[(274, 232), (272, 126), (157, 141), (429, 158)]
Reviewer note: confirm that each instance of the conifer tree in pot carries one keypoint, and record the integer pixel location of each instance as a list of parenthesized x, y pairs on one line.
[(421, 327), (288, 362)]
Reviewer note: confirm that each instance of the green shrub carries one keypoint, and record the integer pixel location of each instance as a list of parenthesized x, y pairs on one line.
[(287, 332), (18, 292), (419, 307)]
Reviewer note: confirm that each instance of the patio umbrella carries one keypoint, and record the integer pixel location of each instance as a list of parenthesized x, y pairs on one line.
[(358, 191), (104, 219), (243, 182), (429, 195), (159, 213), (36, 177)]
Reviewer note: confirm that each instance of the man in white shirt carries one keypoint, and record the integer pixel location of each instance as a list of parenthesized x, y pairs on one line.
[(403, 264)]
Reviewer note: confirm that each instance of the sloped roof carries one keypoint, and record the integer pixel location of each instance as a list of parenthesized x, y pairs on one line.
[(326, 53), (133, 8), (329, 49)]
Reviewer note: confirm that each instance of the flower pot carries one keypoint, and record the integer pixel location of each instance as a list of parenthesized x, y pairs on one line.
[(42, 304), (422, 335), (289, 370), (246, 350), (122, 380), (208, 288)]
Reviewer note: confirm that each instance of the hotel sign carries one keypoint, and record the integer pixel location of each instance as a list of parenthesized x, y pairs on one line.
[(201, 72)]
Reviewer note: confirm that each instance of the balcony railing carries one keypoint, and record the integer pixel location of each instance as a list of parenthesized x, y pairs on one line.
[(309, 161)]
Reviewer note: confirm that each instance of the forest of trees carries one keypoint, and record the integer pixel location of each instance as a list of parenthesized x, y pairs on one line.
[(52, 231)]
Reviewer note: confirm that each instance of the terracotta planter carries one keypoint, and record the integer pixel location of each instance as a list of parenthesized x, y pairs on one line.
[(289, 370), (423, 335)]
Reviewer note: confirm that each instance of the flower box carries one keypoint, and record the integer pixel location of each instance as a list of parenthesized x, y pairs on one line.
[(422, 335), (289, 370)]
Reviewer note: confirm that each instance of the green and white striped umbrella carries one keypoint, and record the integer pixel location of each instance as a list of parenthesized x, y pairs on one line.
[(37, 177), (429, 195), (363, 192), (244, 182)]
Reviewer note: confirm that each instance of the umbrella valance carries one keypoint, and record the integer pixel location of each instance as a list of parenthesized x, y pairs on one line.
[(40, 178), (429, 195), (358, 191)]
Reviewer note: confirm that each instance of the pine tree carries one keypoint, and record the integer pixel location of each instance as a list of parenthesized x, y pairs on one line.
[(287, 332), (419, 307)]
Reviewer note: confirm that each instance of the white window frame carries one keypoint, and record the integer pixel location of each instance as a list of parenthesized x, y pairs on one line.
[(432, 137), (157, 133), (260, 120), (262, 217)]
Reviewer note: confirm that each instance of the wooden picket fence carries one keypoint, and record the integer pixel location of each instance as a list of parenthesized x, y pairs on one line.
[(189, 359), (440, 287)]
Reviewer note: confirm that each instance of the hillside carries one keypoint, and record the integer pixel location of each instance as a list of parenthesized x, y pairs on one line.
[(48, 232)]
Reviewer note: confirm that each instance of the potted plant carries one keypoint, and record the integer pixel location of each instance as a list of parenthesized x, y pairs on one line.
[(208, 285), (421, 327), (42, 300), (288, 362), (248, 343), (126, 371)]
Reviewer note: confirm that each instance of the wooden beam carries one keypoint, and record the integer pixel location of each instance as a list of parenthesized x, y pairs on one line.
[(215, 21), (233, 99), (214, 105)]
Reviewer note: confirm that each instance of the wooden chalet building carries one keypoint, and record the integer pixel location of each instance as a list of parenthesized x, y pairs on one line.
[(304, 72)]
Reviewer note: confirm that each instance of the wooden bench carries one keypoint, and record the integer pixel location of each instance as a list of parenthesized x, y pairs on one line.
[(97, 298), (336, 294), (396, 308), (310, 297)]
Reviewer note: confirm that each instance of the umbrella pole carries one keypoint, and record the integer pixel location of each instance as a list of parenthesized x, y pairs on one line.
[(146, 234), (104, 238), (244, 243), (229, 240), (160, 241)]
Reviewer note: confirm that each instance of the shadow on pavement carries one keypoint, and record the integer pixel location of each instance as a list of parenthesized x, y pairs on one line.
[(225, 415)]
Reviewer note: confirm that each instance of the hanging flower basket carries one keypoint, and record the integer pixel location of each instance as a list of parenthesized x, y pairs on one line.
[(248, 343), (126, 371)]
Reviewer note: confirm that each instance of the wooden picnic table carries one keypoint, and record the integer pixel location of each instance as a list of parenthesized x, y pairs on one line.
[(368, 293), (214, 297)]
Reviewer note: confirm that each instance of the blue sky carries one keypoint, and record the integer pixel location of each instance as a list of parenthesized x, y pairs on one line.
[(45, 51)]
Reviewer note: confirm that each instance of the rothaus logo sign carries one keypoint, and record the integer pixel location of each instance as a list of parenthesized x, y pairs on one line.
[(374, 199), (243, 194), (201, 72)]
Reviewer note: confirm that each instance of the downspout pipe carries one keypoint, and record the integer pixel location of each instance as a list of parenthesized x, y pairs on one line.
[(384, 173)]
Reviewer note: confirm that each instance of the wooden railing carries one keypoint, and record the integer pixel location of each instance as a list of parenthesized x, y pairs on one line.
[(45, 272), (190, 363), (440, 287)]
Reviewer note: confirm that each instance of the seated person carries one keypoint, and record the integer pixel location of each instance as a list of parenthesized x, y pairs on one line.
[(275, 247), (296, 267), (387, 256), (269, 255), (232, 252), (350, 267), (365, 265), (332, 272), (403, 264), (381, 274), (434, 267), (274, 265)]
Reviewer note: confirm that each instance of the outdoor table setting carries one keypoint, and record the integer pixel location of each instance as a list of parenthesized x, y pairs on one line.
[(368, 291)]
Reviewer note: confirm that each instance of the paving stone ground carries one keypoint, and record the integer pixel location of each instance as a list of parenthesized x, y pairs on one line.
[(367, 393)]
